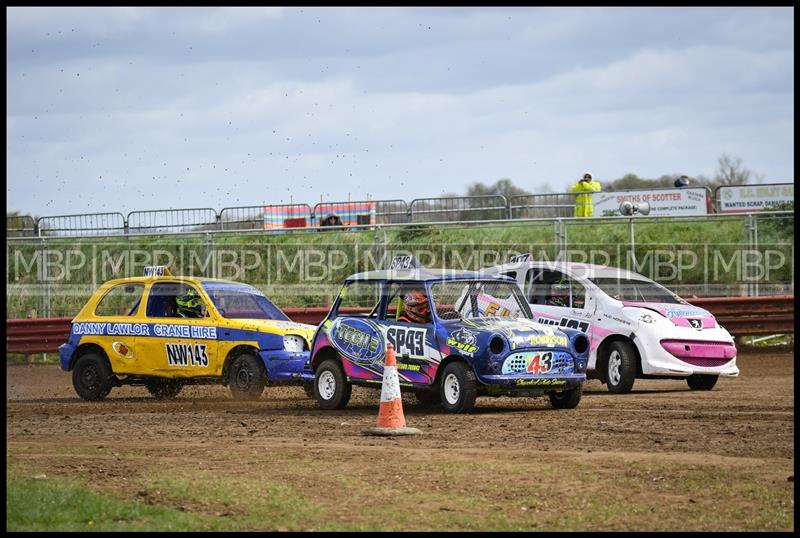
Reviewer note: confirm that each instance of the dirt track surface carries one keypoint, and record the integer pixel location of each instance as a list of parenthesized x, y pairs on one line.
[(745, 422)]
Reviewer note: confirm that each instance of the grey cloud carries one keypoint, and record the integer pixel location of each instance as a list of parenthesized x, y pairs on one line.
[(264, 105)]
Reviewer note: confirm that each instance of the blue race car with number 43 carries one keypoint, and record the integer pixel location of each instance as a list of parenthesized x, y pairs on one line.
[(457, 336)]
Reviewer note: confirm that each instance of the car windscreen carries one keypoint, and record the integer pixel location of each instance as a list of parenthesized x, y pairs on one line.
[(635, 290), (469, 299), (238, 301)]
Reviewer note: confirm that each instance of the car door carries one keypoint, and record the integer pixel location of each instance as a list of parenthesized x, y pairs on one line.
[(556, 298), (418, 356), (355, 329), (177, 346)]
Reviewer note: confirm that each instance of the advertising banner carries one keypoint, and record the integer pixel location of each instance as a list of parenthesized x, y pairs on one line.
[(742, 198), (663, 202)]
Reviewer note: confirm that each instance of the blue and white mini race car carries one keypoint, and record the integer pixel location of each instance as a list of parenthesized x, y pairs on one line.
[(457, 335)]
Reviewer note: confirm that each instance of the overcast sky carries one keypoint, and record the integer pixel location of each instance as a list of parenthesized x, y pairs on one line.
[(123, 109)]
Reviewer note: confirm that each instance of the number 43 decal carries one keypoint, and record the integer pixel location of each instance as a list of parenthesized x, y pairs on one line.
[(540, 364)]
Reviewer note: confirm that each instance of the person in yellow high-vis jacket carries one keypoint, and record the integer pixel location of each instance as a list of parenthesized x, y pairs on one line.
[(583, 202)]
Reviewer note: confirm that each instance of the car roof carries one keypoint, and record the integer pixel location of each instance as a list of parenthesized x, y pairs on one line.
[(587, 270), (425, 274), (171, 278)]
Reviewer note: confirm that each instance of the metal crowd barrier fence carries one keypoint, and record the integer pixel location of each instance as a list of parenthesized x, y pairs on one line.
[(81, 225), (391, 212), (360, 213), (533, 206), (171, 220), (459, 208), (351, 213)]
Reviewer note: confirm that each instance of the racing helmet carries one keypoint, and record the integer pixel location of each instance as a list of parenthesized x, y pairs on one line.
[(559, 294), (189, 304), (415, 304)]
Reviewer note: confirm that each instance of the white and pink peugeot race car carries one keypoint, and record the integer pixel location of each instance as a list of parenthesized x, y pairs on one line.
[(637, 327)]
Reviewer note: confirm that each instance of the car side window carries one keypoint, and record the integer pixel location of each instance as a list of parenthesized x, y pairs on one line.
[(536, 288), (364, 294), (175, 300), (408, 302), (121, 300), (554, 288)]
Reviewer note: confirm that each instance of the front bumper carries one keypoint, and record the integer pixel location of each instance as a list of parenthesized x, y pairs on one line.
[(684, 357), (522, 369), (282, 365), (557, 381)]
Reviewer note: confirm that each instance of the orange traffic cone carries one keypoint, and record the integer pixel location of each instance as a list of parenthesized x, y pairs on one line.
[(391, 420)]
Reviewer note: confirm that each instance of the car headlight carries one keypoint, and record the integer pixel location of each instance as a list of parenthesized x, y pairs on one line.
[(294, 343)]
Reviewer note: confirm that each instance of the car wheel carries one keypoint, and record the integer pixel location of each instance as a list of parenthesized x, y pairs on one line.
[(164, 389), (702, 381), (331, 387), (92, 377), (247, 377), (620, 367), (567, 399), (428, 397), (458, 388)]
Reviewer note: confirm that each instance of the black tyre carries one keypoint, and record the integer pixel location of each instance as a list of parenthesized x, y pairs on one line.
[(428, 397), (620, 363), (567, 399), (458, 388), (246, 377), (164, 389), (331, 387), (702, 381), (92, 377)]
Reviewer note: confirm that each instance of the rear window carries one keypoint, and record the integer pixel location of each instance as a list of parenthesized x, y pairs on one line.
[(121, 300)]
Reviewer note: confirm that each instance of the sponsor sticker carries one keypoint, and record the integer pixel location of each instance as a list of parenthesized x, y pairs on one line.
[(111, 329), (463, 340), (681, 312), (540, 382), (647, 318), (569, 323), (547, 340), (358, 339)]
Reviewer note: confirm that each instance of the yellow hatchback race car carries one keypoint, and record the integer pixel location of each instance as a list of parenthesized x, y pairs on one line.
[(165, 331)]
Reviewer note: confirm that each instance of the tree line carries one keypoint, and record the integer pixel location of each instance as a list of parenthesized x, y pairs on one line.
[(730, 171)]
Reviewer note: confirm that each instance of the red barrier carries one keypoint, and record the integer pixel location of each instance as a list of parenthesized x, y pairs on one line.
[(739, 315), (36, 335)]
